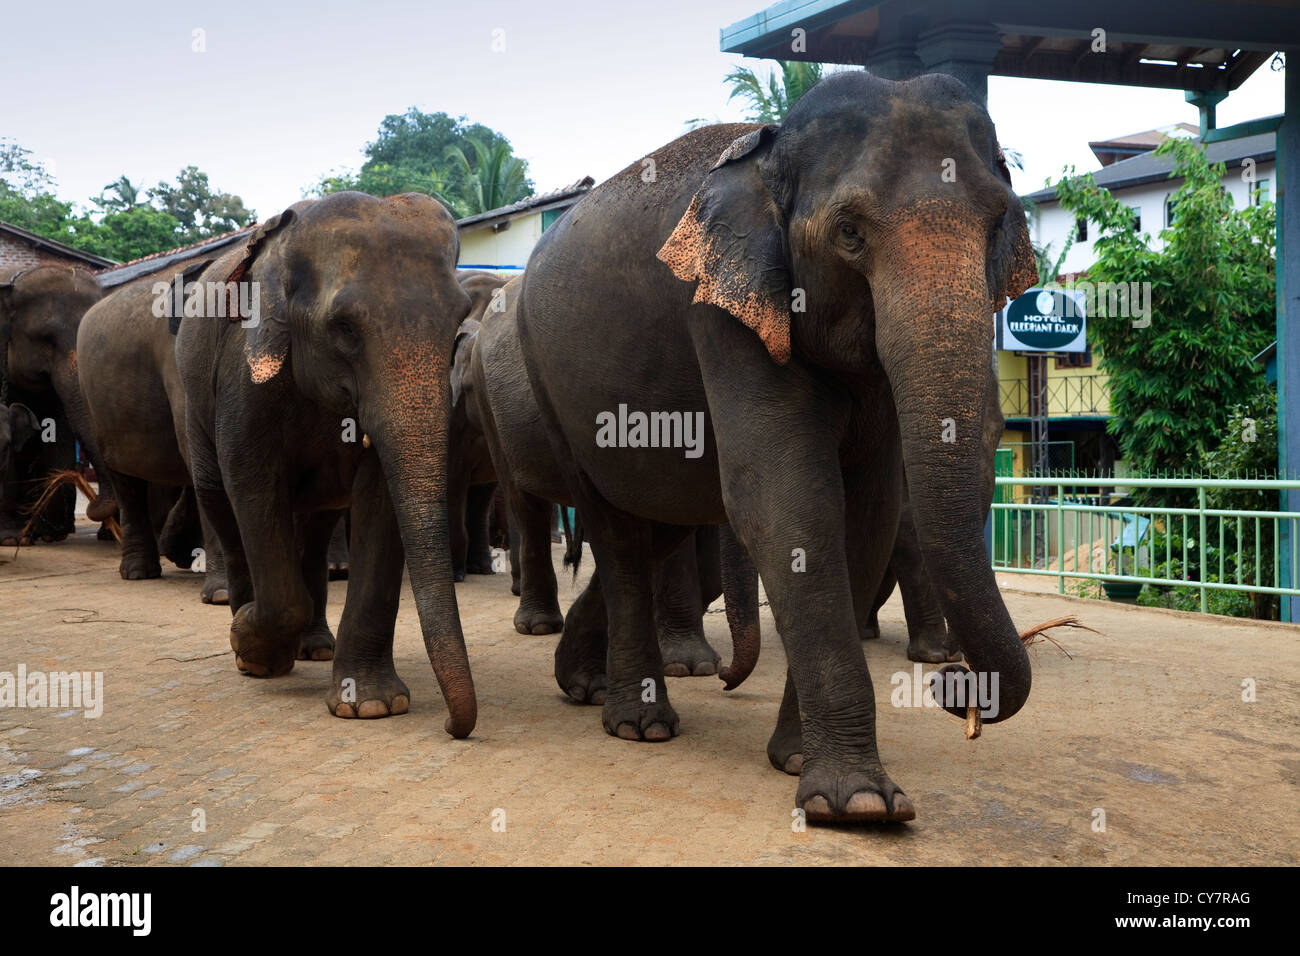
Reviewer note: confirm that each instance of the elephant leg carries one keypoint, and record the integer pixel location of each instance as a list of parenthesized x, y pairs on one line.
[(264, 631), (457, 505), (871, 629), (678, 605), (139, 547), (478, 509), (539, 604), (788, 503), (316, 642), (928, 640), (785, 747), (365, 682), (338, 550), (581, 654), (216, 589), (513, 543), (181, 531)]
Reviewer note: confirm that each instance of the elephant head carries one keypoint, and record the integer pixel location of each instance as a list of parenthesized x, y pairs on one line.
[(358, 302), (40, 311), (874, 231), (18, 426)]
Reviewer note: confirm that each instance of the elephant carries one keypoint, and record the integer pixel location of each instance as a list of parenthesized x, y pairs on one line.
[(41, 308), (472, 482), (813, 299), (132, 387), (18, 427), (499, 405), (334, 395), (929, 640)]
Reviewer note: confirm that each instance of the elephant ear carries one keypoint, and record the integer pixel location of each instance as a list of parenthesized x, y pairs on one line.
[(460, 354), (267, 344), (731, 243), (23, 426), (1011, 266)]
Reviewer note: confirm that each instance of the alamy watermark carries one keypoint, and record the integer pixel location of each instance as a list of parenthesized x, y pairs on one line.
[(65, 690), (209, 300), (956, 688), (1123, 300), (626, 429)]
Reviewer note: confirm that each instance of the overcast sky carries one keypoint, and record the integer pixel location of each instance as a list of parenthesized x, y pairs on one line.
[(287, 91)]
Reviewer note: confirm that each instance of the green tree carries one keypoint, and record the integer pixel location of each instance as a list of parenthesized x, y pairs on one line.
[(771, 101), (495, 177), (1174, 381), (120, 195), (126, 234), (201, 211), (461, 164)]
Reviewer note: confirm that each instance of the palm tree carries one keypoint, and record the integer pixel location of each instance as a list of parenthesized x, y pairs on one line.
[(496, 178), (121, 195), (771, 103)]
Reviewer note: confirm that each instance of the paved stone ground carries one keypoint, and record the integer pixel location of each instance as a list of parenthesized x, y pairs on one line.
[(1146, 723)]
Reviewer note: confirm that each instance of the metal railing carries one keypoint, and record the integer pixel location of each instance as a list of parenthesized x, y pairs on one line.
[(1066, 395), (1077, 532)]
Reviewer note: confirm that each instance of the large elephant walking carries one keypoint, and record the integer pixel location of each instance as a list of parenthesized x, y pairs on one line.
[(337, 396), (499, 405), (817, 295), (133, 391), (41, 310)]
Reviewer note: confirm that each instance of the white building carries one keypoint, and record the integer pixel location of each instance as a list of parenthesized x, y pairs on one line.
[(1140, 179), (501, 240)]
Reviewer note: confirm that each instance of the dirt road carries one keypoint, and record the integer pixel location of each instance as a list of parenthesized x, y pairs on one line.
[(190, 763)]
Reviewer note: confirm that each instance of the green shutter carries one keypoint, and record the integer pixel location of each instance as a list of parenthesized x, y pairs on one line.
[(549, 216)]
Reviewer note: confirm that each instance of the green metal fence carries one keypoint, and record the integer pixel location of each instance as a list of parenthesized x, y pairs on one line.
[(1083, 528)]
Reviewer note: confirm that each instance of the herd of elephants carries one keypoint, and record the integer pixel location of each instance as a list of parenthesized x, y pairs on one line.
[(819, 290)]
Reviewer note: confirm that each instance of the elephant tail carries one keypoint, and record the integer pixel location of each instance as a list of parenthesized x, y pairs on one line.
[(573, 540)]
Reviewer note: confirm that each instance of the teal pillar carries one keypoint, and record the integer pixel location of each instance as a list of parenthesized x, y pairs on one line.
[(1288, 310)]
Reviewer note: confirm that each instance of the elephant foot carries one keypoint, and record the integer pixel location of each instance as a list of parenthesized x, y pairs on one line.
[(828, 795), (687, 655), (535, 620), (103, 534), (255, 654), (11, 540), (628, 717), (316, 644), (458, 575), (514, 588), (134, 567), (215, 590), (367, 694), (580, 667), (785, 750), (337, 571), (933, 647), (871, 630), (479, 568)]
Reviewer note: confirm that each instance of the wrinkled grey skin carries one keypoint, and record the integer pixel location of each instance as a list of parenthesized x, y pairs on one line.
[(688, 284), (499, 405), (338, 398), (41, 309), (929, 640), (136, 403)]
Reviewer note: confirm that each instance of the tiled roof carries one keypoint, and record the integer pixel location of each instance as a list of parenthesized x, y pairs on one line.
[(571, 191)]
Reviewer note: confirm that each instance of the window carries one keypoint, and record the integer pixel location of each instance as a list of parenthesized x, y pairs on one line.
[(1075, 359), (1081, 230), (1170, 211), (1137, 218), (549, 216), (1259, 194)]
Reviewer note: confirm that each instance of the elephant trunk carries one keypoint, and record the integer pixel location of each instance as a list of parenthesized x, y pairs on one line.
[(67, 384), (934, 338), (411, 439), (740, 592)]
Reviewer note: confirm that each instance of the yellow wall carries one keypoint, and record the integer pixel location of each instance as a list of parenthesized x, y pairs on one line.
[(1084, 395)]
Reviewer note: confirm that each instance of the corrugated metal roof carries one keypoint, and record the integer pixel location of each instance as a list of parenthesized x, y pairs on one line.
[(572, 191)]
